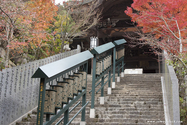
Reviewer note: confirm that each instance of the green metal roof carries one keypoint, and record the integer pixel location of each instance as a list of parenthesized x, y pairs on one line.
[(119, 42), (52, 69), (102, 48)]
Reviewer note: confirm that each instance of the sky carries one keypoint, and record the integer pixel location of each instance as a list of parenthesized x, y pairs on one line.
[(59, 1)]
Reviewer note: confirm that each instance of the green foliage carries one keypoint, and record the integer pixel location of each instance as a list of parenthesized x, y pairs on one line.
[(183, 111), (48, 42), (64, 22), (181, 71), (59, 30), (54, 46), (31, 57), (2, 64), (177, 64)]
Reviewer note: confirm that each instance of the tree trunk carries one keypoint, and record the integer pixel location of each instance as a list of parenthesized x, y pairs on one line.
[(9, 35), (180, 41)]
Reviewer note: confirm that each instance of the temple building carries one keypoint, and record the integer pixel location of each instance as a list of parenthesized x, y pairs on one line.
[(114, 24)]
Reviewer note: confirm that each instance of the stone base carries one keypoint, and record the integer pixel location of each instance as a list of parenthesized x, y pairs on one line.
[(92, 113), (122, 74), (113, 84), (109, 92), (102, 100), (133, 71), (118, 79), (82, 123)]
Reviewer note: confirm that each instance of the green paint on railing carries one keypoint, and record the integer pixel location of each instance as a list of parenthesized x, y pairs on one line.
[(83, 107), (104, 84), (60, 66), (120, 42), (69, 112), (53, 71), (65, 108), (103, 48), (98, 83)]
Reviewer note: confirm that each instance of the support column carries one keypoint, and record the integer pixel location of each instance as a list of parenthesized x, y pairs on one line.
[(83, 119), (118, 78), (66, 116), (41, 101), (92, 110), (114, 67), (83, 122), (122, 71), (102, 92), (109, 82)]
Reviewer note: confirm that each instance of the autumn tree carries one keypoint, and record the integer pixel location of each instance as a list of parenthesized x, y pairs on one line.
[(32, 28), (161, 20), (162, 24), (11, 25), (76, 18), (62, 25), (23, 28), (43, 13)]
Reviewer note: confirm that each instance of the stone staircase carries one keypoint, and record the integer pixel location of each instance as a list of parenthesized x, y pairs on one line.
[(136, 100)]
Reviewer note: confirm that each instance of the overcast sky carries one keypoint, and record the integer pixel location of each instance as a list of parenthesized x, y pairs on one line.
[(59, 1)]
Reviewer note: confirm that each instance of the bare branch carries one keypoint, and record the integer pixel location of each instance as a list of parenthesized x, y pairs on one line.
[(83, 16), (180, 40), (168, 27), (7, 16)]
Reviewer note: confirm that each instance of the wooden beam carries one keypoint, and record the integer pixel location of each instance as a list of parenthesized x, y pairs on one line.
[(113, 32)]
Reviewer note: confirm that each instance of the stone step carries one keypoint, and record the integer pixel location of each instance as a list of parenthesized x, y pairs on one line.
[(136, 100), (123, 121), (117, 123), (129, 83), (125, 90), (124, 110), (122, 116), (27, 123), (121, 109), (133, 97), (101, 122), (138, 115), (114, 111), (127, 105)]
